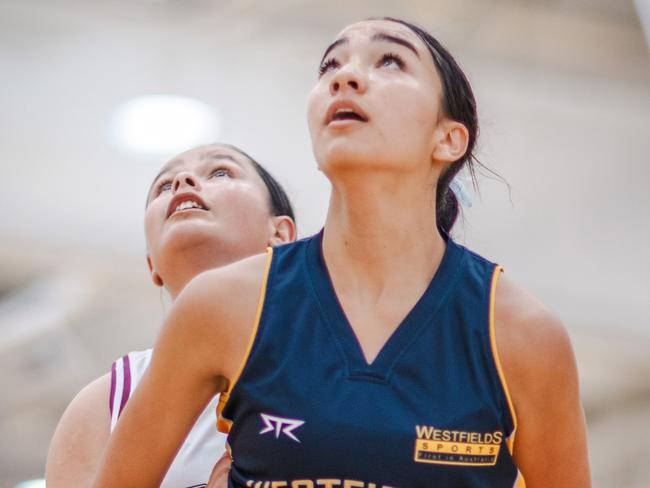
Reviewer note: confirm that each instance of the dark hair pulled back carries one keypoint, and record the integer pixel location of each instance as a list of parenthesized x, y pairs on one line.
[(280, 203), (458, 104)]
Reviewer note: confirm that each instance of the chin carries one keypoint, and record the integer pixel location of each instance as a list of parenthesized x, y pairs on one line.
[(359, 160), (189, 234), (342, 154)]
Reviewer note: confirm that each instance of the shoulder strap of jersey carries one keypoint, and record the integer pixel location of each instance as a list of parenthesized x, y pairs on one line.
[(126, 373), (120, 387)]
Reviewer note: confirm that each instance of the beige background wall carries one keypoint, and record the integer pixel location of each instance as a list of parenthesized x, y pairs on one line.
[(564, 98)]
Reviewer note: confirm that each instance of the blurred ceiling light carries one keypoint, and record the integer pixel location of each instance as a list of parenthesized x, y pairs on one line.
[(643, 9), (164, 124), (31, 484)]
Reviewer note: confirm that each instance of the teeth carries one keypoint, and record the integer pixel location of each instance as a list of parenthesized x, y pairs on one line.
[(345, 110), (187, 204)]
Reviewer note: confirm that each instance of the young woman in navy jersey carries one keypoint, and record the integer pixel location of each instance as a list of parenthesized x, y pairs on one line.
[(208, 207), (378, 352)]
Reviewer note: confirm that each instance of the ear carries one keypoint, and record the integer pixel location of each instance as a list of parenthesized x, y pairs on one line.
[(453, 141), (155, 277), (283, 230)]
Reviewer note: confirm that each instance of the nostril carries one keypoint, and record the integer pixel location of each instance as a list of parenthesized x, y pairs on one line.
[(189, 181), (336, 86), (353, 84)]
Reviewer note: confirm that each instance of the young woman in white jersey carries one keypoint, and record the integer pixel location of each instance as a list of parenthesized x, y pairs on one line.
[(207, 208), (392, 119)]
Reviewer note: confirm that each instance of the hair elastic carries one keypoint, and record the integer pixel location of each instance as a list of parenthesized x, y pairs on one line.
[(461, 192)]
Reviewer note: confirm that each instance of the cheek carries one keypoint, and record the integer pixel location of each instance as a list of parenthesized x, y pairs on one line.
[(153, 217), (410, 113), (244, 206), (315, 110)]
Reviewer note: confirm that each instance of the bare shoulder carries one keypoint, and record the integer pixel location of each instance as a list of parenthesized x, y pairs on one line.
[(541, 374), (532, 341), (216, 312), (528, 332), (80, 436)]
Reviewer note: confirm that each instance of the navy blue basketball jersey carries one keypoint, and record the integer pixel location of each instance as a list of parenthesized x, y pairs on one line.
[(432, 410)]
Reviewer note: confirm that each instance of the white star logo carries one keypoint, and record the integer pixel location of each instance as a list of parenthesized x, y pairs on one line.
[(280, 425)]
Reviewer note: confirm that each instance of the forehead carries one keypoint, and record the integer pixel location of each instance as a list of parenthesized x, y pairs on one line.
[(204, 154), (368, 28)]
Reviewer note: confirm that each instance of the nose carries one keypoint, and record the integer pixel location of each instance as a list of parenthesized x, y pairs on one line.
[(349, 77), (184, 180)]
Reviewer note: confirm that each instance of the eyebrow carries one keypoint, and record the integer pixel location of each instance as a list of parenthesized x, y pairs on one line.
[(338, 42), (394, 39), (376, 37), (219, 156)]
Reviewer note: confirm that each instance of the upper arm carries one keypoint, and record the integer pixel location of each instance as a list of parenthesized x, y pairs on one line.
[(201, 344), (538, 361), (80, 437)]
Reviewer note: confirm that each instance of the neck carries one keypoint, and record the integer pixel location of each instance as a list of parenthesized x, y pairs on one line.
[(377, 229), (188, 264)]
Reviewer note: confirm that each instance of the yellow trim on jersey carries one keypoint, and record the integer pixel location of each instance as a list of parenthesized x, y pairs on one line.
[(223, 424), (519, 482), (510, 441)]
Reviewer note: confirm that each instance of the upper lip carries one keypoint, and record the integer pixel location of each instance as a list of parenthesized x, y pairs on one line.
[(184, 197), (339, 104)]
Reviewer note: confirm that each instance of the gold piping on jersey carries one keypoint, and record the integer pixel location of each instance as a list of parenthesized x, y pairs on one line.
[(224, 424), (510, 441), (519, 482)]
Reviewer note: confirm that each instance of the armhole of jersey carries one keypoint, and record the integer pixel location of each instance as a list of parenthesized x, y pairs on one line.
[(510, 441), (120, 387), (224, 424), (111, 397)]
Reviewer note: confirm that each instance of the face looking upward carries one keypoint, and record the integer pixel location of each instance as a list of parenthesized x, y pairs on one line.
[(209, 204), (378, 103)]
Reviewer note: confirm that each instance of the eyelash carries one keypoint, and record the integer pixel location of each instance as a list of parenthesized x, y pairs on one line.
[(225, 170), (160, 187), (326, 65), (392, 57), (333, 63)]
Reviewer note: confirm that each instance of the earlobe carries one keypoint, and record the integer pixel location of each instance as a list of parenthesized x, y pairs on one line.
[(283, 230), (453, 143), (155, 277), (157, 280)]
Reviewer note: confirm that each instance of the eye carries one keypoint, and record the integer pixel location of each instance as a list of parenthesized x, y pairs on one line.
[(164, 185), (220, 173), (327, 65), (391, 61)]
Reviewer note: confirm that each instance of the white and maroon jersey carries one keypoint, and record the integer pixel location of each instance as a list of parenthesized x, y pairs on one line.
[(204, 444)]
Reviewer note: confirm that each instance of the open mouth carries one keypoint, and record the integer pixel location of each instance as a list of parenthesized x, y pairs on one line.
[(184, 203), (187, 204), (348, 114), (345, 110)]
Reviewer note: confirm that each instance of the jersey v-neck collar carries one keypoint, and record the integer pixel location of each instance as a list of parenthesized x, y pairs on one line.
[(421, 315)]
